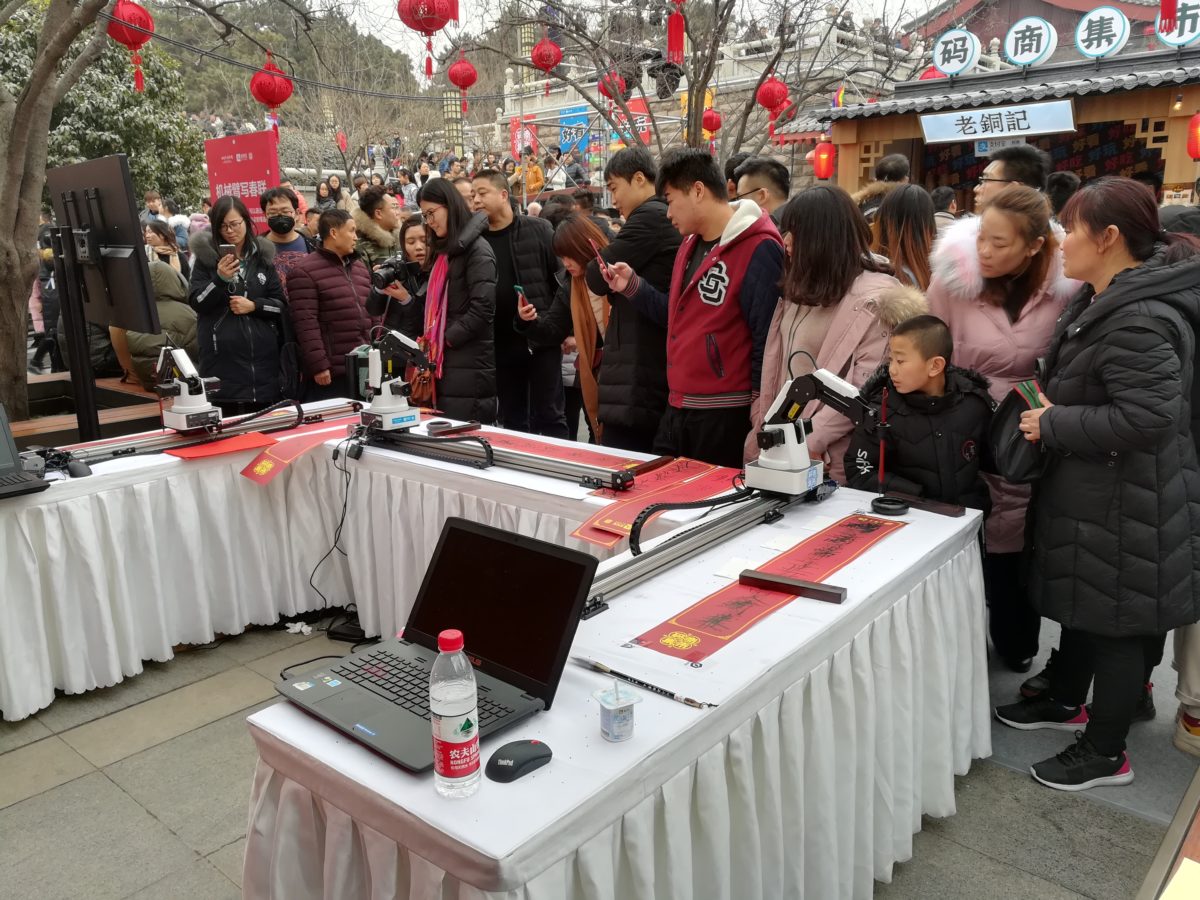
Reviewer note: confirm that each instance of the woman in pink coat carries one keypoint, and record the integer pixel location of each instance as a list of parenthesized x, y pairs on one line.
[(998, 284), (839, 304)]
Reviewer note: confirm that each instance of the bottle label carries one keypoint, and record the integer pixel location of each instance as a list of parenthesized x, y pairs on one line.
[(456, 744)]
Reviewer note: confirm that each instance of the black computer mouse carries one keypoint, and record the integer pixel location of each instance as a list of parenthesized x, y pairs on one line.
[(517, 758), (77, 468)]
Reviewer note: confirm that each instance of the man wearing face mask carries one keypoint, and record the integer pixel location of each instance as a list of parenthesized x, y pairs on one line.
[(280, 205)]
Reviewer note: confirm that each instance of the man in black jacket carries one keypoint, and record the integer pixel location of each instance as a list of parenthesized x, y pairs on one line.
[(633, 373), (528, 376)]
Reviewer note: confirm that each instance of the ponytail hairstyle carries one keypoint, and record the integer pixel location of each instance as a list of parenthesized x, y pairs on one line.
[(1029, 211), (1129, 206)]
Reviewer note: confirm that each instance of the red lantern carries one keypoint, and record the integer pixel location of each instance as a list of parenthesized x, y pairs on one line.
[(611, 85), (546, 55), (462, 75), (773, 97), (272, 88), (711, 120), (929, 74), (426, 17), (127, 18), (342, 143), (1193, 141), (823, 158), (676, 26)]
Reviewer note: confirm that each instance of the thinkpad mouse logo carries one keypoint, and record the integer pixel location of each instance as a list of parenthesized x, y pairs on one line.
[(714, 284)]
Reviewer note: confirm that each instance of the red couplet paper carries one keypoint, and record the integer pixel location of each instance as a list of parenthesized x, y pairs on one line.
[(292, 444), (705, 627), (613, 523), (578, 454), (254, 440)]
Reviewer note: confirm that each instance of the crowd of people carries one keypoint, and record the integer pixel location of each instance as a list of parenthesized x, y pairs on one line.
[(670, 322)]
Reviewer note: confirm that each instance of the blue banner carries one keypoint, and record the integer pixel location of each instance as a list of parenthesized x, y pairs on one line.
[(573, 129)]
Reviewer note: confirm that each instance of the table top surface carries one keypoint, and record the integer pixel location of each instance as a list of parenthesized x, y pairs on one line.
[(592, 778)]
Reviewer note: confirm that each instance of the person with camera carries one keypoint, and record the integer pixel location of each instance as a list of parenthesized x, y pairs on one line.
[(238, 297), (399, 283), (328, 292)]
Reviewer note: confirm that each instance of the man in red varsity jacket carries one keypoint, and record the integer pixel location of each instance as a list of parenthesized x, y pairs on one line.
[(723, 294)]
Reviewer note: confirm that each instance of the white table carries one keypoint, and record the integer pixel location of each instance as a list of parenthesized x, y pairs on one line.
[(838, 727), (102, 573)]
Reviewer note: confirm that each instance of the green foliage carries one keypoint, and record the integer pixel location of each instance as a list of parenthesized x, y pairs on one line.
[(103, 115)]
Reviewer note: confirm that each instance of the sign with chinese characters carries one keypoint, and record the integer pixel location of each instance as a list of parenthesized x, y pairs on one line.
[(522, 134), (998, 122), (573, 129), (956, 52), (1187, 25), (1102, 32), (243, 166), (641, 122), (1030, 41), (990, 146)]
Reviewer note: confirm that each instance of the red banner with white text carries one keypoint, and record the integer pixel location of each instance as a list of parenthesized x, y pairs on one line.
[(243, 166)]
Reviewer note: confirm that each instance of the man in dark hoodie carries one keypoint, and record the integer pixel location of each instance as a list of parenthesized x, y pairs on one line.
[(633, 373), (724, 289), (937, 417)]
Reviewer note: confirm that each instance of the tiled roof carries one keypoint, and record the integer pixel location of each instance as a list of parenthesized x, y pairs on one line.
[(1014, 86)]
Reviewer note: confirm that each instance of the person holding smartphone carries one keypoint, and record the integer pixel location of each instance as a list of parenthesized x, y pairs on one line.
[(239, 299)]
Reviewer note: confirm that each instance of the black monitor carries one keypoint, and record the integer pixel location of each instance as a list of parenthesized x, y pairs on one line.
[(95, 200)]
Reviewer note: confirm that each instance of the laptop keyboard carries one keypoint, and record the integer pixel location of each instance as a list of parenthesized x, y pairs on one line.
[(406, 683), (18, 478)]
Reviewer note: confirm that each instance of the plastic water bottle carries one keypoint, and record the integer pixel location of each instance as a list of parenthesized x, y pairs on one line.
[(454, 710)]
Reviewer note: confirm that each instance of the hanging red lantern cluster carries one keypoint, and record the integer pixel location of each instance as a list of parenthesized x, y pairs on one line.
[(546, 55), (773, 97), (132, 27), (272, 88), (711, 120), (427, 17), (462, 75), (676, 27), (1193, 139), (1168, 12)]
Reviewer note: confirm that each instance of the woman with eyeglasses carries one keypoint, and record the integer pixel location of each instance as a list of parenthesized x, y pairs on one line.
[(1000, 286), (460, 304), (240, 302)]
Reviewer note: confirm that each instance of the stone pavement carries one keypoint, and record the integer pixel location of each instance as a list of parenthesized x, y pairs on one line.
[(141, 790)]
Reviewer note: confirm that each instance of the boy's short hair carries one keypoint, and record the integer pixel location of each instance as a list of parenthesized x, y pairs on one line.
[(627, 162), (929, 335), (682, 167)]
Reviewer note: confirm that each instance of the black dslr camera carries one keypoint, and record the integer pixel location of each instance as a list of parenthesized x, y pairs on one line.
[(393, 269)]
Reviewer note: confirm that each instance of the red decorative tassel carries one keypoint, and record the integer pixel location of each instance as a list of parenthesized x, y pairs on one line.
[(139, 83), (429, 57), (453, 10), (675, 34), (464, 104), (547, 87), (1167, 11)]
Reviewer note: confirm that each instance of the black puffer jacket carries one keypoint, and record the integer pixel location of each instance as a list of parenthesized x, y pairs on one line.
[(1116, 516), (934, 446), (537, 268), (242, 351), (633, 374), (467, 388)]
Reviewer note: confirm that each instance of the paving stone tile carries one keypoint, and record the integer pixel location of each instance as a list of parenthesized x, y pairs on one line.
[(18, 734), (38, 767), (198, 881), (229, 860), (148, 724)]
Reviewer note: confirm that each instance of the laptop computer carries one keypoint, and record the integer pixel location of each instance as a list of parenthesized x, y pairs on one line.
[(516, 600), (14, 479)]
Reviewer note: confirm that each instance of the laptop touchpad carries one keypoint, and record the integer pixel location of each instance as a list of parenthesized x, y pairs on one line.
[(350, 707)]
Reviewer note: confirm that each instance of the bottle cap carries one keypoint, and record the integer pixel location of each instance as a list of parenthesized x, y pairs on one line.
[(450, 640)]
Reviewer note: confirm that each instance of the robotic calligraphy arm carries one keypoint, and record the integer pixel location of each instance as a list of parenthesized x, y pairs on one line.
[(176, 376), (784, 465), (389, 409)]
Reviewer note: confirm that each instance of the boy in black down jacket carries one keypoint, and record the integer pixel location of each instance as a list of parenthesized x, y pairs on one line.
[(937, 418)]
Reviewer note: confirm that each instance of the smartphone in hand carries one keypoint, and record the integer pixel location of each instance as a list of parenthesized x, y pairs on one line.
[(226, 250), (599, 259), (522, 300)]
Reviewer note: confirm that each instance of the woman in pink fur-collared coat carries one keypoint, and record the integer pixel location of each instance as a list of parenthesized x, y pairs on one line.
[(998, 284)]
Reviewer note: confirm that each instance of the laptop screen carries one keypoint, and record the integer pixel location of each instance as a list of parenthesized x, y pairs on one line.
[(516, 600), (8, 449)]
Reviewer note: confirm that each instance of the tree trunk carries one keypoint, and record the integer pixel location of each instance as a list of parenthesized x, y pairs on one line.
[(15, 286)]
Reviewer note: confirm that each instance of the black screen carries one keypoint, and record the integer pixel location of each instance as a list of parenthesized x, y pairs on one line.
[(516, 600)]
